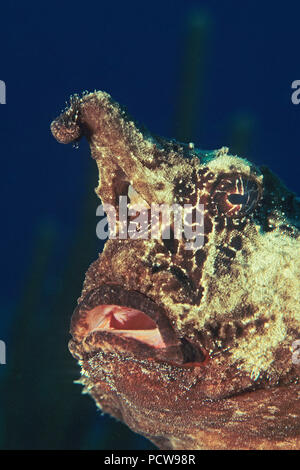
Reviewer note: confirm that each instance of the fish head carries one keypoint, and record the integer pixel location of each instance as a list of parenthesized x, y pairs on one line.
[(187, 319)]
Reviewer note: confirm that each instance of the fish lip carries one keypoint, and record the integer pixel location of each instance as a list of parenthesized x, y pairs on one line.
[(177, 351)]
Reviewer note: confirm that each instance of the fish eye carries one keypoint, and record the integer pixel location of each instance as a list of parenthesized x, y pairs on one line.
[(236, 195), (238, 199)]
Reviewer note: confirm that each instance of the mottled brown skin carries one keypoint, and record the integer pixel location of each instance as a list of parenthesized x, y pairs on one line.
[(228, 312)]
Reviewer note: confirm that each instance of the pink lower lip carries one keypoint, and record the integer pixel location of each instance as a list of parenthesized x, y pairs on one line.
[(126, 322)]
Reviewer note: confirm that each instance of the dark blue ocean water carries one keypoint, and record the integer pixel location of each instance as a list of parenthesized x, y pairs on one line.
[(137, 52)]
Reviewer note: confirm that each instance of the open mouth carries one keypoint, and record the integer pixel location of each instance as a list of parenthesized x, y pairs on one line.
[(111, 313), (127, 322)]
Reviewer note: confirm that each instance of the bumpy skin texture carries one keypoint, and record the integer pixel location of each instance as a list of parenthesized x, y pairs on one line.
[(228, 312)]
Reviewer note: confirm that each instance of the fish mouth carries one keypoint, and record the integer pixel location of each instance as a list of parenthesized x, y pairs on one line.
[(127, 322), (111, 318)]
